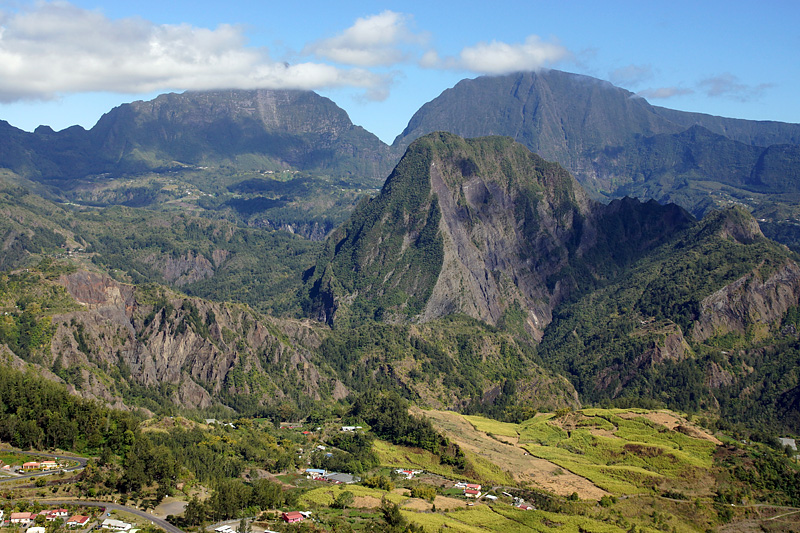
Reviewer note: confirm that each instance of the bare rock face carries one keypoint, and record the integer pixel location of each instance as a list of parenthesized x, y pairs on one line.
[(180, 271), (748, 301), (199, 349), (97, 291)]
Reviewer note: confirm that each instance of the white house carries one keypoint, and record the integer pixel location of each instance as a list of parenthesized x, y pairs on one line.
[(116, 525)]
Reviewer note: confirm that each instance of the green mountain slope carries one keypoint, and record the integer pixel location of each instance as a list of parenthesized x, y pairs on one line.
[(630, 300), (617, 144), (481, 227), (262, 129)]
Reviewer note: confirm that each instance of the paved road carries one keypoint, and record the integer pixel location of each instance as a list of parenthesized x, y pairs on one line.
[(163, 524), (81, 463)]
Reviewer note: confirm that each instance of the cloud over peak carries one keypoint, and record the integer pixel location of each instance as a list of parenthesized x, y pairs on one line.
[(497, 57), (377, 40), (56, 48)]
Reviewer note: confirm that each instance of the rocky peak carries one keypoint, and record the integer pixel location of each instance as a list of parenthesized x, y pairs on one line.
[(461, 226)]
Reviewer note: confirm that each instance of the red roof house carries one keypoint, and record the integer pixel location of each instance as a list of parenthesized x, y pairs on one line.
[(78, 520), (57, 513), (292, 516), (22, 518)]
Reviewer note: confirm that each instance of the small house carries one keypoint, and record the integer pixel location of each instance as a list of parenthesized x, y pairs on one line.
[(472, 493), (22, 518), (77, 520), (292, 516), (116, 525), (57, 513)]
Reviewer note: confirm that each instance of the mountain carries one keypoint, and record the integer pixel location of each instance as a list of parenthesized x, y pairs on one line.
[(482, 227), (617, 144), (629, 299), (235, 151), (90, 296), (262, 129)]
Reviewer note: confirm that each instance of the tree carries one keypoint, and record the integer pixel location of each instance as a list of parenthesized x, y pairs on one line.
[(343, 500), (195, 512), (244, 526)]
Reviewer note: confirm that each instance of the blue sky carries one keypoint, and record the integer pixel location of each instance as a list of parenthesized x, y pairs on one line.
[(66, 63)]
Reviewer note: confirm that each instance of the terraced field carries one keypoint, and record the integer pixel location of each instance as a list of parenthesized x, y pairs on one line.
[(592, 452), (493, 442)]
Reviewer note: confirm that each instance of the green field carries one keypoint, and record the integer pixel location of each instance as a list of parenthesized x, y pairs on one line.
[(622, 451)]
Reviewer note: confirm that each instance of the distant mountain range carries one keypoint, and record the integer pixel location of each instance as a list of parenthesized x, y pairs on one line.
[(272, 130), (615, 143)]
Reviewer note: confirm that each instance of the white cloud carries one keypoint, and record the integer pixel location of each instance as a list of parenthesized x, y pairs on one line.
[(631, 76), (500, 58), (728, 85), (377, 40), (664, 92), (55, 48)]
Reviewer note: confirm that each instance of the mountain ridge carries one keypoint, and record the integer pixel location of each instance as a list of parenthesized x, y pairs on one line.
[(477, 222)]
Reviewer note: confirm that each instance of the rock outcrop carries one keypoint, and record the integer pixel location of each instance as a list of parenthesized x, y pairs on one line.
[(749, 302), (481, 227), (197, 349)]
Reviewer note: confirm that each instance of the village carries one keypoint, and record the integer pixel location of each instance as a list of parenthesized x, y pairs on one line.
[(35, 522)]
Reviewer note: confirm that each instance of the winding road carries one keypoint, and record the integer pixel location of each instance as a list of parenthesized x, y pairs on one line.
[(80, 464), (163, 524)]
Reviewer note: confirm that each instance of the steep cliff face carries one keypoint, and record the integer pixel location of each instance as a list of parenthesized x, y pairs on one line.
[(754, 302), (481, 227), (297, 129), (185, 269), (461, 226), (198, 350)]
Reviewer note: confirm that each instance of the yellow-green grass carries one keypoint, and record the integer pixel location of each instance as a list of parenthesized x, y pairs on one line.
[(487, 472), (601, 475), (538, 430), (506, 519), (629, 455), (324, 496), (402, 457), (481, 471), (494, 427), (554, 523), (482, 516), (595, 422), (620, 466), (439, 522)]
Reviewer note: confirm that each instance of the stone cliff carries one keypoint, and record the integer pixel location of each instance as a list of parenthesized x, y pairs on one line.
[(198, 350)]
